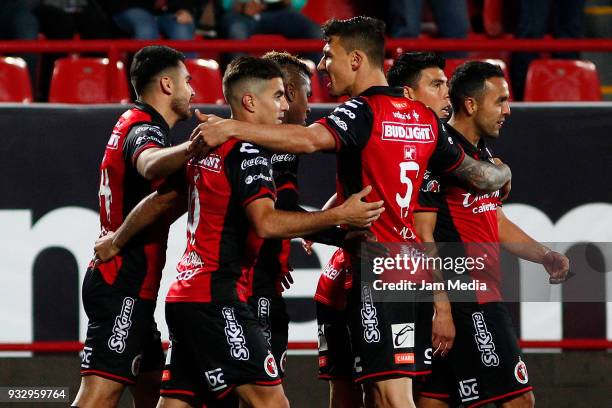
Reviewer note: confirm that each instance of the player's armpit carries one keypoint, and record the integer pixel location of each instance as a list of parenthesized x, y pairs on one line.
[(481, 175)]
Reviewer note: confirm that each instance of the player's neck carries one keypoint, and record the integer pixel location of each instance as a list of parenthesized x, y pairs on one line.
[(365, 80), (466, 128), (163, 108)]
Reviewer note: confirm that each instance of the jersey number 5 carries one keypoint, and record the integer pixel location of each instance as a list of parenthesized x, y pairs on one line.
[(405, 168)]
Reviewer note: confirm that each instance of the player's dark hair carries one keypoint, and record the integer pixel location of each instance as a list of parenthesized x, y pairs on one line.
[(362, 33), (149, 62), (246, 68), (468, 81), (406, 69), (288, 62)]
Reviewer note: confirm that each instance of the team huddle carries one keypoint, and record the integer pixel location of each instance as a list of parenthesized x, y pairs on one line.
[(403, 172)]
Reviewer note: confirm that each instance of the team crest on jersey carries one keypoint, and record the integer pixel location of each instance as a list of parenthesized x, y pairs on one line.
[(211, 162), (520, 372)]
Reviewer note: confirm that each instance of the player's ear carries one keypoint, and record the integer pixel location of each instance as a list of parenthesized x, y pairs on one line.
[(409, 93), (290, 92), (470, 105), (357, 58), (248, 102), (166, 85)]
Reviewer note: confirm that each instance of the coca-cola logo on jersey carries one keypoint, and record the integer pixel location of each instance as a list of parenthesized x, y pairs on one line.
[(401, 132), (255, 161), (277, 158)]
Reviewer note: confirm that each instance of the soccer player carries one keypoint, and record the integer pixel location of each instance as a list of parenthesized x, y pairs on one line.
[(492, 369), (216, 342), (123, 345), (384, 139), (421, 76)]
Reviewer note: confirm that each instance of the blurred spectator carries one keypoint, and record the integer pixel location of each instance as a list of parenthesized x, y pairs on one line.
[(534, 16), (451, 18), (62, 19), (146, 19), (244, 18), (17, 22)]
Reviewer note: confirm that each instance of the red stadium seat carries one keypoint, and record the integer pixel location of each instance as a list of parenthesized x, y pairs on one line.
[(322, 10), (453, 63), (492, 17), (206, 81), (14, 80), (562, 80), (88, 80)]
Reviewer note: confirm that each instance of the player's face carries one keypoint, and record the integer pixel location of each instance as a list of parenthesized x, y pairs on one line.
[(183, 92), (493, 107), (271, 104), (298, 106), (336, 63), (432, 90)]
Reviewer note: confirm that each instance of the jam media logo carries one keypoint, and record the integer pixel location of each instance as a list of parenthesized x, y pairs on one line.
[(371, 334), (263, 316), (214, 379), (407, 132), (235, 335), (211, 162), (123, 322), (468, 390), (484, 341)]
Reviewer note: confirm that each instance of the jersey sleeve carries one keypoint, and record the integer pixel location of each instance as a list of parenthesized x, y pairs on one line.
[(141, 137), (430, 195), (448, 155), (350, 124), (250, 173)]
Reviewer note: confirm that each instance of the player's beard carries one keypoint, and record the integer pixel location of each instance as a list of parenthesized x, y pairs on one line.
[(180, 106)]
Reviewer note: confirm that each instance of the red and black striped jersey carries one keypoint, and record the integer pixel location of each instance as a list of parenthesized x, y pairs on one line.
[(388, 141), (219, 237), (273, 260), (464, 215), (137, 269)]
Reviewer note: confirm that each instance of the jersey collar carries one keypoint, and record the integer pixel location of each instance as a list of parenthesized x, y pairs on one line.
[(383, 90), (465, 144), (156, 117)]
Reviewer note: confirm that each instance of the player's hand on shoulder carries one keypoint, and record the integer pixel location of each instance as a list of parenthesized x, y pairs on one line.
[(104, 249), (357, 213), (212, 131), (557, 265)]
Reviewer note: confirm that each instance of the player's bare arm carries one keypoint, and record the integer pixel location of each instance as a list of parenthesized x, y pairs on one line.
[(144, 214), (294, 139), (519, 243), (271, 223), (483, 176)]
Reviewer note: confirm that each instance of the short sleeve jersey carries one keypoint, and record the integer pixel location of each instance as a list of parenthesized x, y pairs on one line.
[(388, 141), (219, 237), (462, 214), (137, 270)]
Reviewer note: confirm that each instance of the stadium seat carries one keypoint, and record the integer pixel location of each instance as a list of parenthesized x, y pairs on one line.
[(492, 17), (562, 80), (322, 10), (206, 81), (88, 80), (453, 63), (14, 80)]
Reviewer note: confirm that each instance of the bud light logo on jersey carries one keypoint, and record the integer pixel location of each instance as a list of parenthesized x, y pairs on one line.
[(123, 322), (368, 317), (234, 335), (484, 341), (412, 132), (211, 162)]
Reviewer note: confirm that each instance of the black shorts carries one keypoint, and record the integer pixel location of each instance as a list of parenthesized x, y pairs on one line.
[(485, 363), (388, 339), (335, 357), (122, 337), (271, 313), (215, 347)]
